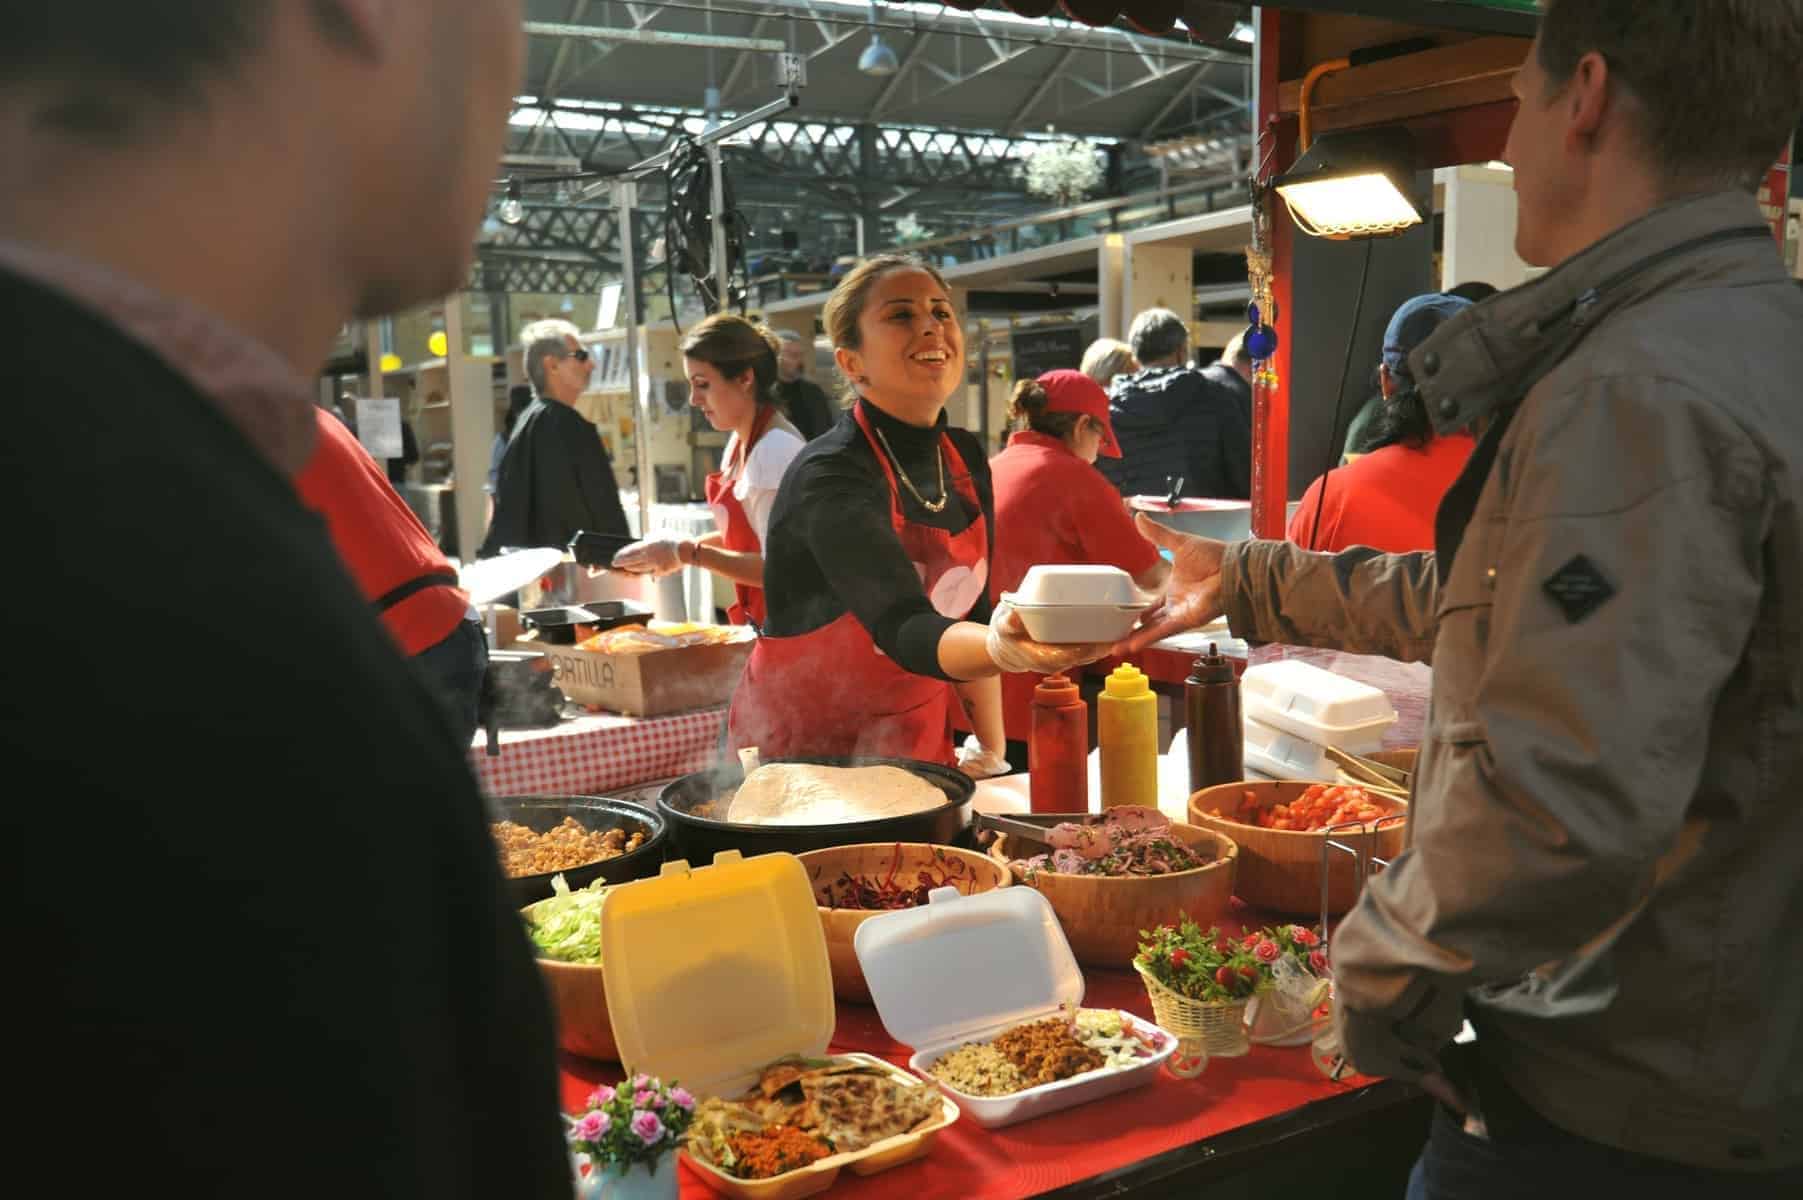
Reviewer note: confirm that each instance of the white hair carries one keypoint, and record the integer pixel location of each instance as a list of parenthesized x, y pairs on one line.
[(542, 340)]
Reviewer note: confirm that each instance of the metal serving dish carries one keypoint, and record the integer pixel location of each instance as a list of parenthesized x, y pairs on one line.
[(559, 624), (539, 813), (699, 838)]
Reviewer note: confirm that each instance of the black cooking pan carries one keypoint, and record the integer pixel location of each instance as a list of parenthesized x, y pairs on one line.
[(539, 813), (699, 838)]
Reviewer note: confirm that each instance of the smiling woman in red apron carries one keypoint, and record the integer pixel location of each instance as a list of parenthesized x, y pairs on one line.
[(730, 364), (879, 550)]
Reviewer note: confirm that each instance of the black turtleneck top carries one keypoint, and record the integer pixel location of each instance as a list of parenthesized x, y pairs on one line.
[(832, 547)]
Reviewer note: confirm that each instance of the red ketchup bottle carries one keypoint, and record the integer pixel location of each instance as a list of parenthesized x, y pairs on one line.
[(1058, 749)]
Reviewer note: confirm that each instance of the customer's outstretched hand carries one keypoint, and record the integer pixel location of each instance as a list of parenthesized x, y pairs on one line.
[(1193, 596)]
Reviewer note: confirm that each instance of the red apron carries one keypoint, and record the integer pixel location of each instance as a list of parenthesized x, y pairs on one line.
[(832, 692), (735, 528)]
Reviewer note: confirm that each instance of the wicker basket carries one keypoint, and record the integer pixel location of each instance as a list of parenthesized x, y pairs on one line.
[(1204, 1029)]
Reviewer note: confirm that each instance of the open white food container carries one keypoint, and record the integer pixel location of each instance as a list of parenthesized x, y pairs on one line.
[(713, 973), (964, 969), (1064, 604), (1317, 706)]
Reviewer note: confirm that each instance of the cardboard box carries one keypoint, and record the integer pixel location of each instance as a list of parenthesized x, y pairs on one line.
[(654, 682)]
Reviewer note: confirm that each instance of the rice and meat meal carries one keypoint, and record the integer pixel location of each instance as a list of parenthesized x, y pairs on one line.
[(1128, 840), (781, 793), (564, 847), (1048, 1051), (804, 1109)]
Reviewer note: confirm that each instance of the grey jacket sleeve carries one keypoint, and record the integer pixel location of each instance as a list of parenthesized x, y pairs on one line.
[(1585, 633), (1359, 600)]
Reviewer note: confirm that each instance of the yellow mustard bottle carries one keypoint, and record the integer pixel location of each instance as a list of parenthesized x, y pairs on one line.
[(1127, 731)]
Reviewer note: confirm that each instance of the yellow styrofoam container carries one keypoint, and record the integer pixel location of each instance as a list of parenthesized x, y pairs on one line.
[(715, 972)]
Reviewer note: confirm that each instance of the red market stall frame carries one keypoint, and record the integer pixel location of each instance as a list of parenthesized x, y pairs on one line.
[(1452, 94), (1453, 98)]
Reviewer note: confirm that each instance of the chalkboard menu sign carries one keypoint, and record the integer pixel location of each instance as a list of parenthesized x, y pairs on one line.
[(1037, 351)]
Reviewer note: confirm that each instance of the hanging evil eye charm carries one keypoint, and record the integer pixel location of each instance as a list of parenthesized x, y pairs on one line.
[(1261, 343), (1252, 315)]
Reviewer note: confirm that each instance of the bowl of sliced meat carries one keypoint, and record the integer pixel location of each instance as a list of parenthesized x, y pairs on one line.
[(1110, 876)]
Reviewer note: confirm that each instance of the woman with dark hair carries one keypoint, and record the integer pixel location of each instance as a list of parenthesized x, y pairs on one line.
[(1053, 506), (878, 557), (732, 371)]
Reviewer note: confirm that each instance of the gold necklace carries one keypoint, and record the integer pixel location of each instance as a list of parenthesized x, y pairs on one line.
[(932, 506)]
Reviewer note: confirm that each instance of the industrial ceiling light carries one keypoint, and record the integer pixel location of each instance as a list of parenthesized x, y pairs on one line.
[(877, 58), (513, 208), (1353, 184)]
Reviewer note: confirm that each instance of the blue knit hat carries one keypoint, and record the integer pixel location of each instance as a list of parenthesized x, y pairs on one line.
[(1413, 323)]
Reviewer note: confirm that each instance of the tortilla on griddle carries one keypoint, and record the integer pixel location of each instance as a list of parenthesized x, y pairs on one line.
[(810, 794)]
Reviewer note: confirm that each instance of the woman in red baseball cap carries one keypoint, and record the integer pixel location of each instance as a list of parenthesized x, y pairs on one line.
[(1053, 506)]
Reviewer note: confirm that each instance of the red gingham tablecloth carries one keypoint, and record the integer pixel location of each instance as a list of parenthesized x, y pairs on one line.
[(598, 753)]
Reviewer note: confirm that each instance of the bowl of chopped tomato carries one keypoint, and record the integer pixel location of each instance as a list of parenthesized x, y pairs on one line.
[(854, 883), (1282, 827)]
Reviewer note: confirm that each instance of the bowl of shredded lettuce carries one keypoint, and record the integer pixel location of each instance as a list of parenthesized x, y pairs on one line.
[(565, 932)]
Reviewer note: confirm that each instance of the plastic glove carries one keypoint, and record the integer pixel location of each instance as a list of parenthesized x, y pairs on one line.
[(1011, 650), (656, 557), (979, 761)]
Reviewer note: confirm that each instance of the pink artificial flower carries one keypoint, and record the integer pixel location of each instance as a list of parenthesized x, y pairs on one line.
[(1266, 951), (641, 1082), (592, 1127), (1303, 936), (644, 1098), (648, 1128), (682, 1099), (1318, 959), (601, 1097)]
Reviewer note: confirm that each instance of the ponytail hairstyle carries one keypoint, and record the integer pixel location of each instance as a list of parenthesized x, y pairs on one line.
[(1027, 410), (732, 346)]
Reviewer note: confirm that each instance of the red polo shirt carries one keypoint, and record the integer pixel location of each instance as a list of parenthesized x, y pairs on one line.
[(381, 541), (1052, 507), (1385, 499)]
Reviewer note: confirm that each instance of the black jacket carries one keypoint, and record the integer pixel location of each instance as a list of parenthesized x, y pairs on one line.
[(256, 920), (1178, 421), (556, 481), (807, 406)]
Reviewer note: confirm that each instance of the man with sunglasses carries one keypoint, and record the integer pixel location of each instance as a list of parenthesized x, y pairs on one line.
[(556, 478)]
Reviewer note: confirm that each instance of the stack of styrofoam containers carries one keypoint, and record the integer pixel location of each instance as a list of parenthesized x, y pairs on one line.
[(1293, 710)]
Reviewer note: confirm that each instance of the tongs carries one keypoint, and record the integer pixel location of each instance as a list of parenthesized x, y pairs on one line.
[(1027, 826), (1391, 781)]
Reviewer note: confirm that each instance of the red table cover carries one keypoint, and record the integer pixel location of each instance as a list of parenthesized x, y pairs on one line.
[(968, 1162), (598, 754)]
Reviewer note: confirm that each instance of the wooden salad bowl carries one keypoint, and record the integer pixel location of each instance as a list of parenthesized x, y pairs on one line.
[(969, 872), (1280, 869), (1103, 916), (579, 1004)]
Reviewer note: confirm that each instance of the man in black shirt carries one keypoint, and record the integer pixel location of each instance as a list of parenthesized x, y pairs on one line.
[(1174, 421), (258, 931), (803, 401), (556, 479)]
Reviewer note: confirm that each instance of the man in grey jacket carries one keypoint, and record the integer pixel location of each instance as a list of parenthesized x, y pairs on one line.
[(1605, 871)]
